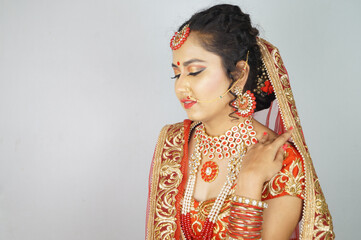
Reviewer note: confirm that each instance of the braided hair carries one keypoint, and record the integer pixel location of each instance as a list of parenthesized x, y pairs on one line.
[(227, 32)]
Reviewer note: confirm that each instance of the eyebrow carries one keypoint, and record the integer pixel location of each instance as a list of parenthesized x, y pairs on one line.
[(189, 62)]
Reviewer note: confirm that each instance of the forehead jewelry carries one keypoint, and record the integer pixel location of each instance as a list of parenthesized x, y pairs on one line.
[(224, 94), (179, 38)]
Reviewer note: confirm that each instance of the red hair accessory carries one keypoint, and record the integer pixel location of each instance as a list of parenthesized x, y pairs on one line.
[(179, 38), (267, 87), (264, 86)]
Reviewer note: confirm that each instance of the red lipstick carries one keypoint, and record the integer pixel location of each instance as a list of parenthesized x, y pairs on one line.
[(188, 103)]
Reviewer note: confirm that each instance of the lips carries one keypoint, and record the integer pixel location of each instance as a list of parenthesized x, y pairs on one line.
[(188, 103)]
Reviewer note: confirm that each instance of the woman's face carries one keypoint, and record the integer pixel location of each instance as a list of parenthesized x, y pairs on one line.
[(200, 75)]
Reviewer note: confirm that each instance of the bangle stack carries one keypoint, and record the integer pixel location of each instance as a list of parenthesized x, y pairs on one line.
[(246, 217)]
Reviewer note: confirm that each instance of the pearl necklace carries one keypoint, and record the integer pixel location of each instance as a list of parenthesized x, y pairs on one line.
[(234, 166)]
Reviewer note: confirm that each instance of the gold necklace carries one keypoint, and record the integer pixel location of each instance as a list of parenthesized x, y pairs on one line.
[(223, 146)]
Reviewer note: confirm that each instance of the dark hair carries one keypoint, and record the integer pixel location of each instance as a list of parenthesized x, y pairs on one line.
[(226, 31)]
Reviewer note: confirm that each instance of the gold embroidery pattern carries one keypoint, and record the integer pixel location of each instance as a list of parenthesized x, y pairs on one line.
[(323, 222), (317, 222), (323, 228), (286, 181), (284, 80), (200, 213), (170, 177)]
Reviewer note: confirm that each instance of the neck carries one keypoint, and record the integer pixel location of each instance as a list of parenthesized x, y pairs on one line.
[(216, 127)]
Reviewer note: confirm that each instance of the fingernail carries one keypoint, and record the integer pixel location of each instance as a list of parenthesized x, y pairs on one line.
[(284, 146), (291, 128), (264, 133)]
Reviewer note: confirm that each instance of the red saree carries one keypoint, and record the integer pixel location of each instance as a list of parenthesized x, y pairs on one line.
[(297, 177)]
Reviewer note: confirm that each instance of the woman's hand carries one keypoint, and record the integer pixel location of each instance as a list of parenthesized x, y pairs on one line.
[(262, 161)]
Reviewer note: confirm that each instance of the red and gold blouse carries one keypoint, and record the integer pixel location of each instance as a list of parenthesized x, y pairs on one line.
[(289, 181)]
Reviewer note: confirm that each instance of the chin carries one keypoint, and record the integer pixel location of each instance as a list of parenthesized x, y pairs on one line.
[(195, 117)]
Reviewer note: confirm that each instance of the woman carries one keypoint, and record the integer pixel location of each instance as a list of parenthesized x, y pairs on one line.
[(239, 168)]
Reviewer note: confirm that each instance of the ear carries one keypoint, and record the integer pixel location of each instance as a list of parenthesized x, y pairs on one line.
[(241, 73)]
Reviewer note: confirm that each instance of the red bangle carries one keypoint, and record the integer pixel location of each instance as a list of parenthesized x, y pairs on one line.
[(245, 220)]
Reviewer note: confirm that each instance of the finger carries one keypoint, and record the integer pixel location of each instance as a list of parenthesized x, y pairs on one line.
[(283, 138), (280, 155), (278, 162), (264, 137)]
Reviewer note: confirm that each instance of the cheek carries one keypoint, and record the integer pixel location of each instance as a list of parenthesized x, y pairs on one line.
[(214, 85), (176, 87)]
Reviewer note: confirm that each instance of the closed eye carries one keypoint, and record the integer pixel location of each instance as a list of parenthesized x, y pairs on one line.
[(190, 74), (196, 73), (176, 76)]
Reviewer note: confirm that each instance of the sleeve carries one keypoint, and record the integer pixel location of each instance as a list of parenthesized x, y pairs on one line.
[(290, 180)]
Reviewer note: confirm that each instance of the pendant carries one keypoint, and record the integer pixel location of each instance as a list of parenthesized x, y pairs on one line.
[(209, 171)]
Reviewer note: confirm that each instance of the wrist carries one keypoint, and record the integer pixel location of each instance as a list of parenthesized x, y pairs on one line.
[(249, 186)]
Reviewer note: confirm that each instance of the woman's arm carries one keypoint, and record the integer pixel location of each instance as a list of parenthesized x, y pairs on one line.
[(281, 217), (260, 165)]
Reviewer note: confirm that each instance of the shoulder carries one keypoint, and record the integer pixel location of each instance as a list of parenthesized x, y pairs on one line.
[(292, 157), (290, 180), (176, 127), (179, 126), (175, 133)]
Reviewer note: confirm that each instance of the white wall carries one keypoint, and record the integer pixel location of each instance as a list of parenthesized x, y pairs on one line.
[(85, 88)]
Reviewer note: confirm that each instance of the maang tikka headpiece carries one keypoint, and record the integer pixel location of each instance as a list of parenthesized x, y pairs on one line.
[(179, 37)]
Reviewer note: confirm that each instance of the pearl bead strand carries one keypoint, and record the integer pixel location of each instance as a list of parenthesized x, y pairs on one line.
[(234, 166)]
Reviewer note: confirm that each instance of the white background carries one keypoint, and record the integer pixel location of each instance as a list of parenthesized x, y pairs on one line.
[(85, 88)]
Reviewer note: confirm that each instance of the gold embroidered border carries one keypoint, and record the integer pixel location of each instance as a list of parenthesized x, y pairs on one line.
[(166, 177), (279, 79), (154, 181), (286, 181)]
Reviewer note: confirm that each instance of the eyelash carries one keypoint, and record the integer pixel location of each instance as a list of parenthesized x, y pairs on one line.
[(191, 74), (176, 76)]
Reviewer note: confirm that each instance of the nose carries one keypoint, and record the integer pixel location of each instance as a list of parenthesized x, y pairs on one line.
[(182, 86)]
